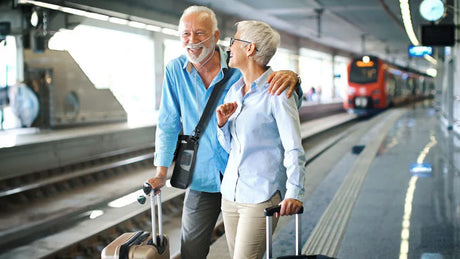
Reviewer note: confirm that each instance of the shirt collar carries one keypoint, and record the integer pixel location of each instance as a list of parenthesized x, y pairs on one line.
[(260, 82)]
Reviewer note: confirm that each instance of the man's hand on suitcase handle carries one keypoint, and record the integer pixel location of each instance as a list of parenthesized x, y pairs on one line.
[(147, 188), (294, 207), (159, 180)]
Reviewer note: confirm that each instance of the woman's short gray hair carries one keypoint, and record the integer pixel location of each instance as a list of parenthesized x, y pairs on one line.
[(265, 37), (200, 9)]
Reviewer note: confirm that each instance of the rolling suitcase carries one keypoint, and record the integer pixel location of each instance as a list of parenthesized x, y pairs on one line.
[(269, 212), (137, 245)]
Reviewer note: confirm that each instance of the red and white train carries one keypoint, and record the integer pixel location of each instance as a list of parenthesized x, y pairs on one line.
[(374, 85)]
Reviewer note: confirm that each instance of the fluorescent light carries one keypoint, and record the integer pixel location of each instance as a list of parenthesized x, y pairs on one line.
[(74, 11), (170, 31), (118, 20), (405, 13), (97, 16), (34, 18), (137, 24), (432, 72), (101, 17), (153, 28), (41, 4), (431, 59)]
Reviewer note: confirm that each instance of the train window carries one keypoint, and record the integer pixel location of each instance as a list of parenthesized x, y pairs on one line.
[(399, 84), (391, 85), (363, 75)]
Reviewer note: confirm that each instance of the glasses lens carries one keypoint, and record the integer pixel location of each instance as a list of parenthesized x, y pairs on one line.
[(231, 41)]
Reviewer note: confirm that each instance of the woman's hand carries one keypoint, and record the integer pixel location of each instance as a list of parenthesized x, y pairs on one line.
[(224, 112), (290, 206)]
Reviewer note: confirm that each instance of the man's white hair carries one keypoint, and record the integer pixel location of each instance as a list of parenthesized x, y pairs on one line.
[(200, 9), (263, 36)]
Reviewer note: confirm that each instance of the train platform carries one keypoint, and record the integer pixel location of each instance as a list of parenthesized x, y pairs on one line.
[(51, 148), (391, 189), (387, 186), (61, 147), (16, 222)]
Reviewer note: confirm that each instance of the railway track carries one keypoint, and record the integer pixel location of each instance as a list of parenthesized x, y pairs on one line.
[(56, 212), (26, 188), (28, 201)]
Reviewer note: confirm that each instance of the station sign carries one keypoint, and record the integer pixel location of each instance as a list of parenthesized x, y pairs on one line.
[(421, 170), (438, 35), (420, 51)]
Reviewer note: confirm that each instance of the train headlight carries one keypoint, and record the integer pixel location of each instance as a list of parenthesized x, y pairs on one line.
[(364, 101), (361, 102), (351, 90)]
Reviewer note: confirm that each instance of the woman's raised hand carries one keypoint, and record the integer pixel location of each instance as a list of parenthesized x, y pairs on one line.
[(224, 112)]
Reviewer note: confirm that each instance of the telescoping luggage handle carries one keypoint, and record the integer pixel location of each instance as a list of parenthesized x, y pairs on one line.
[(269, 212), (147, 188)]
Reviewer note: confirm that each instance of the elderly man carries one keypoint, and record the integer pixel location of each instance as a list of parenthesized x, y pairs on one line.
[(189, 81)]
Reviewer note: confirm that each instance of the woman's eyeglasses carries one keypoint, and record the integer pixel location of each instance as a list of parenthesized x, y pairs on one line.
[(232, 40)]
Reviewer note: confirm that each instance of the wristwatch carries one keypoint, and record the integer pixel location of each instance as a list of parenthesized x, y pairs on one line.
[(298, 84), (299, 80)]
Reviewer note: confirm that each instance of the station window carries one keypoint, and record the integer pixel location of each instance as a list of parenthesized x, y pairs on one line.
[(171, 50), (8, 78), (120, 61), (284, 60), (317, 75), (8, 61), (340, 77)]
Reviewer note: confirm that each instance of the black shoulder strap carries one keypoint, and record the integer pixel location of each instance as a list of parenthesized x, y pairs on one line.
[(211, 104)]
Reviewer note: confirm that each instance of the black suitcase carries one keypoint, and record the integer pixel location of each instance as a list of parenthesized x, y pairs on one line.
[(269, 212)]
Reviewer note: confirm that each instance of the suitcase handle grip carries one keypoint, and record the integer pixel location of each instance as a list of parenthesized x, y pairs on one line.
[(272, 210), (147, 188)]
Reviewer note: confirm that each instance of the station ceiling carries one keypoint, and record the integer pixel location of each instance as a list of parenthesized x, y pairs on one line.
[(358, 26), (361, 26)]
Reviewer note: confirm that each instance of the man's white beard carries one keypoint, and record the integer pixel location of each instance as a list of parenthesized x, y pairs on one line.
[(204, 52)]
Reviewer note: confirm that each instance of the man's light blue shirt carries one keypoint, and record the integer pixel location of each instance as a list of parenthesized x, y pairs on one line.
[(183, 100), (265, 146)]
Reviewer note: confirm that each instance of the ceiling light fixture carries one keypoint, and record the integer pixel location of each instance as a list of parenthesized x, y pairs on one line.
[(405, 13), (118, 21), (407, 21), (101, 17), (430, 59), (34, 18)]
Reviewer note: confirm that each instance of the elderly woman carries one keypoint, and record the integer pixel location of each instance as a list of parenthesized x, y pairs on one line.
[(261, 133)]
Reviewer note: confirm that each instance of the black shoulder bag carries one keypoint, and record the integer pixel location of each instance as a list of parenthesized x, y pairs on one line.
[(187, 145)]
